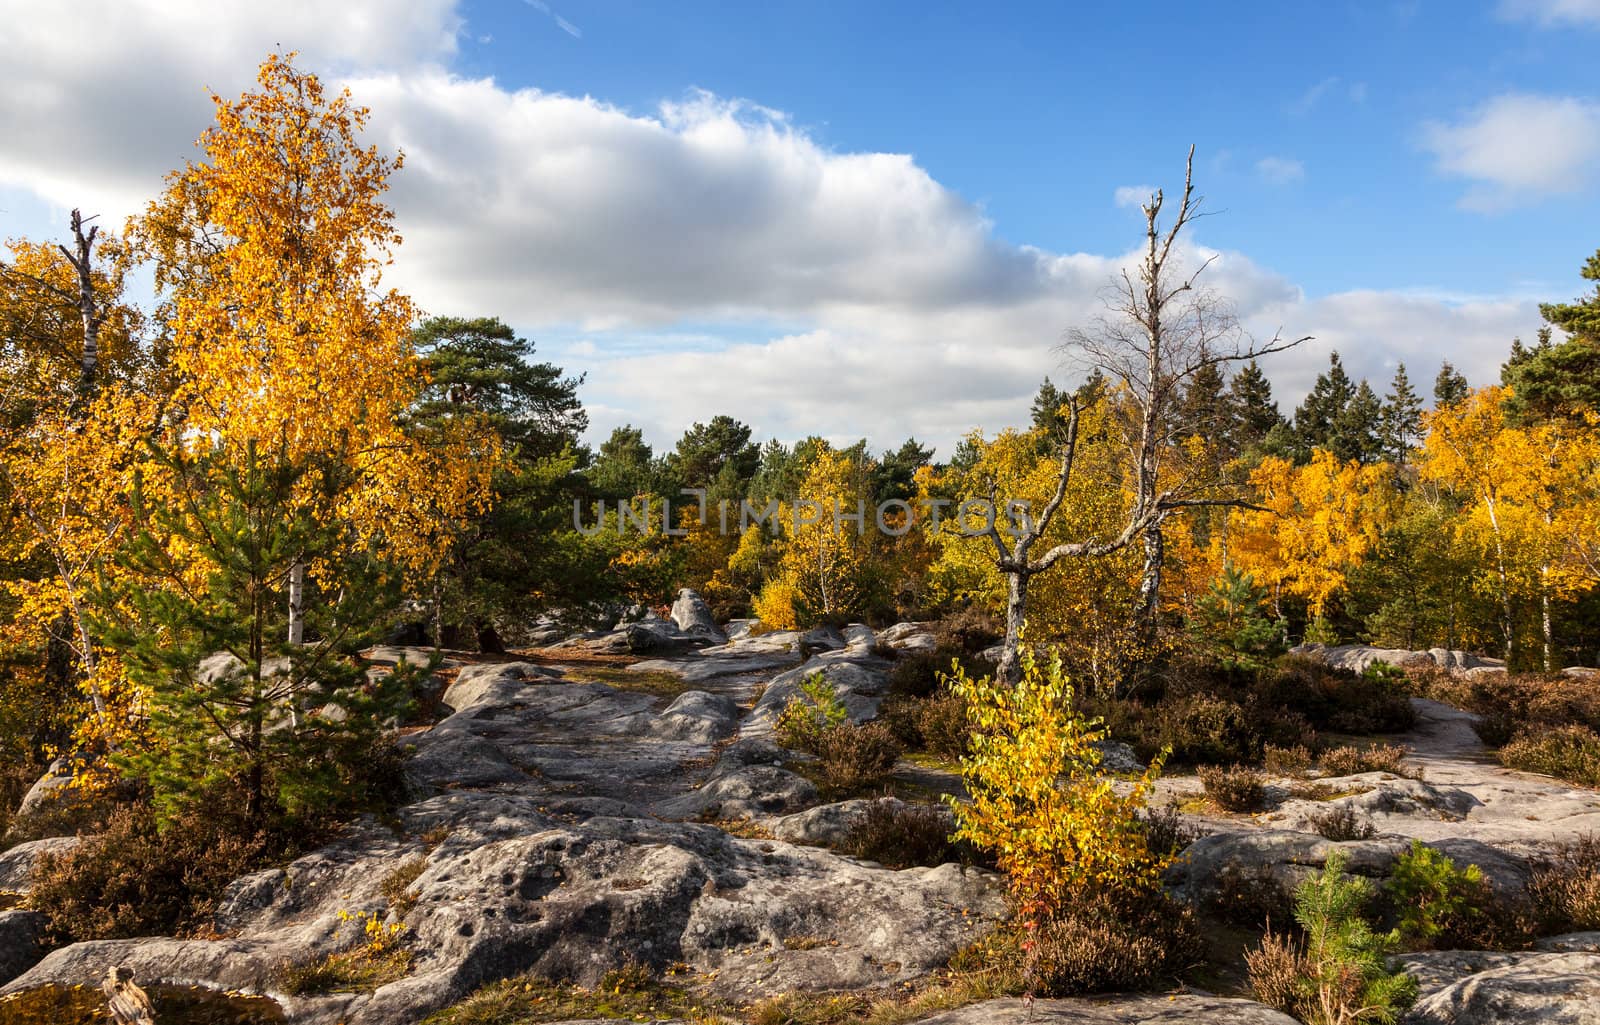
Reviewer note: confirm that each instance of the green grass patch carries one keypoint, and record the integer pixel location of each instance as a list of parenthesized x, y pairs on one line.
[(658, 682), (349, 971)]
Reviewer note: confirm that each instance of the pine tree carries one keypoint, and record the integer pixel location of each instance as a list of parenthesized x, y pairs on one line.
[(1204, 409), (1450, 387), (1563, 381), (1315, 420), (237, 712), (480, 364), (1255, 412), (895, 476), (1046, 409), (1401, 419), (1358, 428), (624, 466)]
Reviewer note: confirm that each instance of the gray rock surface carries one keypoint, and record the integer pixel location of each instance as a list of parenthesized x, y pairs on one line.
[(16, 864), (1547, 989), (21, 933), (693, 616)]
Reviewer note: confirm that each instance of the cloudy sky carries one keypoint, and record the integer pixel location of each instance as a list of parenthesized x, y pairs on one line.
[(879, 219)]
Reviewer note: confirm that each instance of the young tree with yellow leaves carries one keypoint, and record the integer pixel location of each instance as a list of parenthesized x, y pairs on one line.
[(284, 485), (1532, 500), (1312, 525), (828, 570), (75, 407), (272, 249)]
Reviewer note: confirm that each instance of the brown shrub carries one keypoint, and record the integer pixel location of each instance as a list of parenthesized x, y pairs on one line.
[(1250, 896), (1287, 761), (1236, 789), (1566, 890), (1341, 822), (1571, 753), (855, 758), (138, 880), (1276, 969), (1116, 943), (1166, 831), (900, 834), (1350, 761), (971, 629)]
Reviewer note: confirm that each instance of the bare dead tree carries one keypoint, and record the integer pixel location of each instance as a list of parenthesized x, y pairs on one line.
[(88, 304), (1160, 328)]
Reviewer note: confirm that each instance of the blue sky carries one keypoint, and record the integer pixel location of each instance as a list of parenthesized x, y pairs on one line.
[(878, 218), (1040, 111)]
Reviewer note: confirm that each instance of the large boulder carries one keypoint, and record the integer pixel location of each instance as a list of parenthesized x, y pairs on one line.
[(17, 864), (1359, 657), (21, 942), (693, 616), (859, 680), (698, 716)]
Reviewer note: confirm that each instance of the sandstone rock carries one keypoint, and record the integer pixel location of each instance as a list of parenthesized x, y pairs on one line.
[(823, 638), (859, 637), (1571, 943), (749, 791), (1359, 657), (1414, 797), (1549, 989), (739, 629), (860, 681), (21, 942), (16, 864), (698, 716), (494, 682), (693, 616), (826, 825)]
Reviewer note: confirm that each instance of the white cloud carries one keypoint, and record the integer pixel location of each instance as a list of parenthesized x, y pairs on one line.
[(104, 96), (700, 257), (1133, 195), (1519, 148), (1280, 170), (1311, 97), (1549, 13)]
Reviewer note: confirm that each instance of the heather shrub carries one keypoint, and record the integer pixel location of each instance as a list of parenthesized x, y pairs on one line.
[(1236, 789), (1116, 946), (1166, 831), (970, 630), (1249, 896), (901, 834), (1570, 753), (854, 758), (140, 878), (1565, 891), (1351, 761), (1286, 761), (1340, 823)]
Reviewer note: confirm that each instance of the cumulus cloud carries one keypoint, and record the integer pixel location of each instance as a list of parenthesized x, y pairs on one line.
[(1280, 170), (1519, 148), (1133, 195), (1548, 13), (702, 256), (104, 96)]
